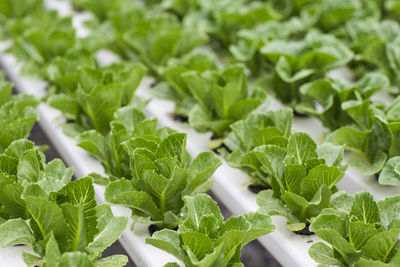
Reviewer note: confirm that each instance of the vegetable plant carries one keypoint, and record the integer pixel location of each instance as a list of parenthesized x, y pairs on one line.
[(302, 177), (128, 123), (270, 128), (174, 86), (326, 96), (150, 37), (222, 97), (10, 9), (375, 44), (17, 114), (205, 239), (298, 62), (162, 174), (248, 42), (372, 136), (59, 218), (99, 93), (36, 46), (358, 232)]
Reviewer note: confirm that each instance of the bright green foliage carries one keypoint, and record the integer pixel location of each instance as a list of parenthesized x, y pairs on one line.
[(297, 62), (100, 9), (376, 47), (326, 97), (359, 232), (44, 209), (373, 135), (17, 114), (270, 128), (16, 9), (38, 38), (222, 98), (175, 88), (64, 72), (328, 15), (162, 174), (250, 41), (151, 37), (128, 122), (228, 17), (205, 239), (302, 177), (100, 92)]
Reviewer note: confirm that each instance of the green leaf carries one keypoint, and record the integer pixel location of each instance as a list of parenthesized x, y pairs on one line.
[(15, 232), (53, 254), (323, 254), (109, 228), (390, 174), (198, 206), (301, 148), (201, 169), (364, 208), (47, 217), (123, 193), (380, 245), (198, 244), (167, 240), (363, 165), (271, 158), (78, 203), (112, 261), (318, 176), (75, 259), (360, 232), (389, 211)]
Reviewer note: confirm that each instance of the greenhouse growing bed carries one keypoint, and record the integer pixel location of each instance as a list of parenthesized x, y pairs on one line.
[(229, 182), (230, 185)]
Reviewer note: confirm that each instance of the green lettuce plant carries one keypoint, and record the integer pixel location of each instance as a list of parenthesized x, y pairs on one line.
[(326, 96), (42, 207), (270, 128), (17, 114), (375, 44), (100, 92), (222, 97), (38, 38), (162, 174), (128, 123), (372, 136), (329, 15), (248, 42), (10, 9), (205, 239), (298, 62), (358, 232), (302, 177), (174, 86)]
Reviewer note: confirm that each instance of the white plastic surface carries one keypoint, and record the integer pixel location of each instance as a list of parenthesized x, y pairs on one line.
[(12, 256)]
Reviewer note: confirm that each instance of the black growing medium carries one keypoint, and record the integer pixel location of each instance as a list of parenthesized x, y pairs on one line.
[(300, 115), (257, 188), (180, 118), (305, 231)]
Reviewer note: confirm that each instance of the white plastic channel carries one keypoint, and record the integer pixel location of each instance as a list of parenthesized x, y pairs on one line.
[(51, 121)]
